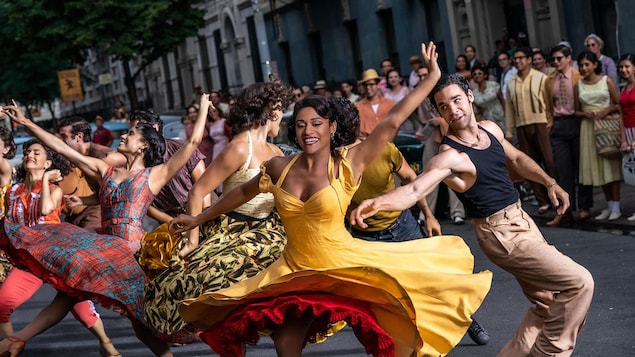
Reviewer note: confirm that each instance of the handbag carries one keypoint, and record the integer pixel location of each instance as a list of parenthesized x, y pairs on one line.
[(628, 168), (608, 137)]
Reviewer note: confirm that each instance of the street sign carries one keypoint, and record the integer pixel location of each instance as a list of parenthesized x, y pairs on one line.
[(70, 85), (105, 78)]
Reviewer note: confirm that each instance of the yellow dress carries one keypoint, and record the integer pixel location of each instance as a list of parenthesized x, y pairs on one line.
[(422, 293), (595, 170)]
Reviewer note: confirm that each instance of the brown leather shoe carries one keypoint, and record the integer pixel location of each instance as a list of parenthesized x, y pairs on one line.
[(585, 214), (560, 219)]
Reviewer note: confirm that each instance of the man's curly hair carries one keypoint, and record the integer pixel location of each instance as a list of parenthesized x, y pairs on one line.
[(256, 103)]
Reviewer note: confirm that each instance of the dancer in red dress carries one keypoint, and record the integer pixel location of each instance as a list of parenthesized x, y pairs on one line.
[(82, 264)]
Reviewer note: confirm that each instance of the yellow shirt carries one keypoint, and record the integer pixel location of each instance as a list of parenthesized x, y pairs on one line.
[(525, 101), (377, 179)]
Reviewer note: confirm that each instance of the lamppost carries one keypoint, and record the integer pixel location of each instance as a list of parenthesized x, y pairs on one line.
[(261, 35)]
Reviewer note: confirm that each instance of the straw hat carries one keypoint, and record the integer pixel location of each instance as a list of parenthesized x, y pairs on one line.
[(370, 74), (320, 84)]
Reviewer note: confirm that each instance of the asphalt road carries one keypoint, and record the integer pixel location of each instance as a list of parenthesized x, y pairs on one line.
[(608, 331)]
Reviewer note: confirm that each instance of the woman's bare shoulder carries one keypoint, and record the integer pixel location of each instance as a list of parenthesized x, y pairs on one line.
[(275, 165)]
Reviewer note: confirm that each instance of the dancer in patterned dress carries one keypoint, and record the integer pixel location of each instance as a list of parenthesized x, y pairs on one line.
[(83, 264), (7, 151), (236, 245), (401, 299), (36, 199)]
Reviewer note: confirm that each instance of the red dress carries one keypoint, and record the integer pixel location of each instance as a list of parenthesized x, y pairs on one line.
[(85, 264)]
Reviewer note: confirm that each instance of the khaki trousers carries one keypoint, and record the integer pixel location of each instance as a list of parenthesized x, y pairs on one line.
[(560, 289)]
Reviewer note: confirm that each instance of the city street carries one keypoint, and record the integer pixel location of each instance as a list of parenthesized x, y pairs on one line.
[(611, 319)]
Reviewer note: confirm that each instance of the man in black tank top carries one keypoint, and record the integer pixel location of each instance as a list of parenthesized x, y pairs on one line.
[(471, 161)]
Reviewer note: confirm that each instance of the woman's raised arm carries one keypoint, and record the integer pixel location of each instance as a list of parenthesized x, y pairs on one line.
[(365, 153), (161, 174), (91, 166)]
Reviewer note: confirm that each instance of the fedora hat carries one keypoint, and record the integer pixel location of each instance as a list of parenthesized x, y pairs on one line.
[(414, 60), (369, 74), (320, 84)]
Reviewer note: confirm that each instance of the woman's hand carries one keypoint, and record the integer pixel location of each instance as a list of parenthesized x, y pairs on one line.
[(430, 57), (190, 244), (182, 223), (15, 113), (72, 201), (367, 208), (53, 176)]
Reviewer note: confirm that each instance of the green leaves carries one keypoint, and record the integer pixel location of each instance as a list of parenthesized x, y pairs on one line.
[(62, 32)]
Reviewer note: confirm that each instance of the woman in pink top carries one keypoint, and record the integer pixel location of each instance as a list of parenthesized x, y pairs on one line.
[(395, 86), (627, 104)]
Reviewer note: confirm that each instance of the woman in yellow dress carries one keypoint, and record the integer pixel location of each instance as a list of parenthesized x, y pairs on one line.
[(411, 298)]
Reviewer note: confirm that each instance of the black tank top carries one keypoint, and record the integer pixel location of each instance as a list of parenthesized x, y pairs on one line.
[(493, 190)]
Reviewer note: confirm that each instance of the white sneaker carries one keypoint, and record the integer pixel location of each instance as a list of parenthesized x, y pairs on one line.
[(631, 218), (615, 215), (604, 215), (458, 220)]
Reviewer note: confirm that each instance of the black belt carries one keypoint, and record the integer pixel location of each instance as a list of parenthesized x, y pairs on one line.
[(562, 117)]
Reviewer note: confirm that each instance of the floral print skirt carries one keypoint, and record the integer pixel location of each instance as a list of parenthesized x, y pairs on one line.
[(230, 250)]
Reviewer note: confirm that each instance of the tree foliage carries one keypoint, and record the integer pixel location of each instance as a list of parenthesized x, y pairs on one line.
[(61, 33)]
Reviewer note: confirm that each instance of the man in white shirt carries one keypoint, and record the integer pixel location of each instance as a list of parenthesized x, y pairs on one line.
[(507, 71)]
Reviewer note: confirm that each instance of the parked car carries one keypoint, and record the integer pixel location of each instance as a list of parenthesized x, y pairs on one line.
[(406, 142), (172, 126)]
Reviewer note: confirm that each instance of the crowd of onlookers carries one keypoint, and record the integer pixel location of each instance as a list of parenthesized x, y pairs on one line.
[(546, 101)]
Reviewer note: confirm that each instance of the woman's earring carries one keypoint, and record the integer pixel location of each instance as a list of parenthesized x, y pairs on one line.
[(332, 136)]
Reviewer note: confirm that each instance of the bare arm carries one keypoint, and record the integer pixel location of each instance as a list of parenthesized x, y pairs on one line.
[(225, 164), (614, 106), (578, 106), (438, 169), (407, 175), (365, 153), (91, 166), (115, 159), (51, 197), (159, 215), (198, 171), (73, 201), (625, 146), (161, 174), (6, 171), (529, 169), (226, 203)]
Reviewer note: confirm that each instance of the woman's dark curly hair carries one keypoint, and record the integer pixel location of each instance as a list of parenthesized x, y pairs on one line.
[(153, 154), (58, 162), (6, 135), (256, 103), (335, 109)]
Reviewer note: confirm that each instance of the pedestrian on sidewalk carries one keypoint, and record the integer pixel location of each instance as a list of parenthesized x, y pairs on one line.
[(627, 105), (596, 97), (564, 133)]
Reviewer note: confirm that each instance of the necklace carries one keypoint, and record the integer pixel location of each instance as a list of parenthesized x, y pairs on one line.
[(474, 144)]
